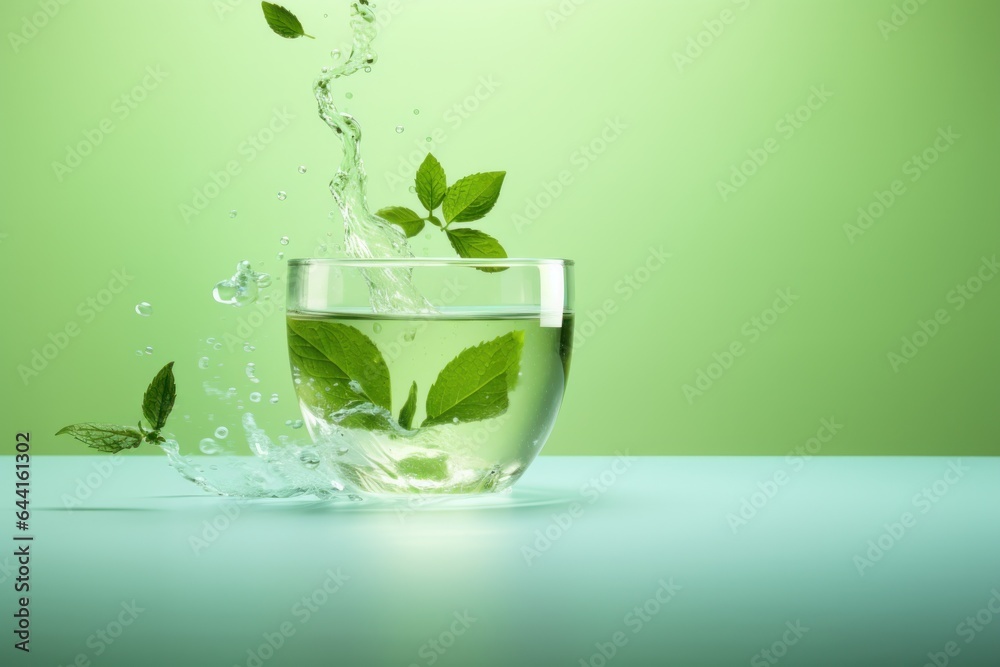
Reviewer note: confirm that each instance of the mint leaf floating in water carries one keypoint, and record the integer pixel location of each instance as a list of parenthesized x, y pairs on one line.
[(282, 21), (472, 197), (157, 403), (409, 408), (475, 384), (159, 398), (342, 372), (410, 222), (431, 183), (105, 437)]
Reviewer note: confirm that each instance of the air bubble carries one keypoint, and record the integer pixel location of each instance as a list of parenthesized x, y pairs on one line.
[(454, 420), (240, 290), (377, 328), (302, 169), (149, 349), (209, 446), (280, 256), (324, 69), (413, 188), (399, 129), (217, 346), (294, 424), (368, 69), (221, 432), (428, 140), (263, 280), (274, 398), (251, 372), (138, 353), (283, 240), (203, 363), (416, 112), (255, 397), (349, 96), (309, 459), (144, 309), (232, 213), (247, 347), (335, 54), (341, 451)]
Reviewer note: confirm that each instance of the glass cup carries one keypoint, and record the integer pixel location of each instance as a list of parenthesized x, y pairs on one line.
[(456, 394)]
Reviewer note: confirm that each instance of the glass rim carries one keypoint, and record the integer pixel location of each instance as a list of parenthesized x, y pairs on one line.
[(428, 261)]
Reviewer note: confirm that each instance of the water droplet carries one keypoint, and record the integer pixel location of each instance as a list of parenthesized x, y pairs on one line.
[(274, 398), (209, 446), (335, 54), (263, 280), (309, 458), (144, 309), (399, 129), (247, 347), (325, 15), (349, 96), (368, 69), (282, 195), (377, 328), (324, 69), (283, 240), (454, 420), (221, 432), (280, 256), (302, 169), (409, 336), (203, 363), (296, 424), (251, 372), (138, 353), (370, 58), (149, 349), (428, 140), (217, 346), (416, 112), (341, 451), (255, 397), (232, 213), (413, 188)]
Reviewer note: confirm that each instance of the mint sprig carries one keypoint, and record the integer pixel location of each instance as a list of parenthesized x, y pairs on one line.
[(467, 200), (342, 374), (157, 403), (283, 22)]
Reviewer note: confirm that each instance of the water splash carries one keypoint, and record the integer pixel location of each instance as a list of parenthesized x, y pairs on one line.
[(243, 288)]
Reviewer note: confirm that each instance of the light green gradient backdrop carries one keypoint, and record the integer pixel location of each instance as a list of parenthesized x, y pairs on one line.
[(656, 185)]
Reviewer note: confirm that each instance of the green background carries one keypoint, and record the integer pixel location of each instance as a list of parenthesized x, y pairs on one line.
[(559, 79)]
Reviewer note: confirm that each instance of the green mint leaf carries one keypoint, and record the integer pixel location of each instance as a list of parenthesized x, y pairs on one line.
[(424, 467), (431, 183), (159, 398), (475, 384), (409, 408), (434, 221), (341, 372), (410, 222), (105, 437), (282, 21), (472, 197), (474, 244)]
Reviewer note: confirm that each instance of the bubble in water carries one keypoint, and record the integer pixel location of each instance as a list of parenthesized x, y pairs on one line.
[(255, 397), (149, 349), (324, 69), (370, 58), (335, 54), (280, 256), (342, 450), (282, 195), (294, 424), (221, 432), (232, 213), (416, 112), (203, 363), (309, 458), (247, 347), (144, 309), (399, 129), (138, 353), (283, 240), (349, 96), (252, 372), (454, 420), (209, 446), (302, 169), (413, 188), (217, 346), (240, 290), (368, 69), (428, 140), (274, 398), (210, 341), (377, 328)]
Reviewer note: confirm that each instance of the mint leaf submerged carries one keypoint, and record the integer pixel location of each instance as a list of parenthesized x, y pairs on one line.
[(409, 408), (105, 437), (475, 384), (282, 21), (472, 197), (344, 371), (159, 398)]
